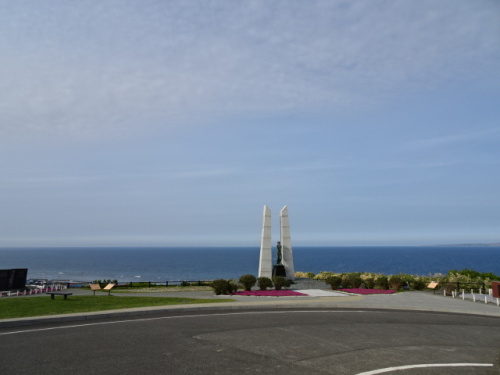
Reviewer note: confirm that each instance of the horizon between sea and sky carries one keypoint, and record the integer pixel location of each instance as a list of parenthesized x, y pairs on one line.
[(174, 123)]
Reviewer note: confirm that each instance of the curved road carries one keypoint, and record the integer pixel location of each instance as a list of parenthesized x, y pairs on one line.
[(274, 342)]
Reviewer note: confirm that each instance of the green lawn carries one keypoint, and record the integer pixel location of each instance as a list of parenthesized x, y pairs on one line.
[(20, 307)]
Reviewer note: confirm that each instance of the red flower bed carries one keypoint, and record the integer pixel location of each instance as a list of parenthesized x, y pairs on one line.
[(269, 293), (368, 291)]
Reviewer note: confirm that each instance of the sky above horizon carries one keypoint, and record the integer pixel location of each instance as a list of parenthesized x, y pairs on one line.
[(171, 123)]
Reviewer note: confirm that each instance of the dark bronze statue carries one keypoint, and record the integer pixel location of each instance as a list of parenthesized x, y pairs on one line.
[(278, 253)]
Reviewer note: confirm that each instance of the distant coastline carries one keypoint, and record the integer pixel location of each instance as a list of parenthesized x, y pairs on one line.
[(495, 244)]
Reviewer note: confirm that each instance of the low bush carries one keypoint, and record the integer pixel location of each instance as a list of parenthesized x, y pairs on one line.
[(304, 275), (323, 275), (395, 282), (280, 282), (450, 287), (248, 281), (334, 281), (221, 286), (369, 282), (381, 282), (419, 283), (232, 287), (351, 280), (264, 283)]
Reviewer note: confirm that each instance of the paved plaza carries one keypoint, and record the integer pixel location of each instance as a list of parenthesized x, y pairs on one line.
[(403, 333), (274, 341)]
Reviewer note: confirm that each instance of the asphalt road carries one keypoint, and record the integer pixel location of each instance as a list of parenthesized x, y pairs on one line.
[(336, 341)]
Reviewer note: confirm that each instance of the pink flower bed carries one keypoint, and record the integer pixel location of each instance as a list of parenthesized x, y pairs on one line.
[(368, 291), (269, 293)]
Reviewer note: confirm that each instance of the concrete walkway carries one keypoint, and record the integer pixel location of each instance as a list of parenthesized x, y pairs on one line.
[(417, 301)]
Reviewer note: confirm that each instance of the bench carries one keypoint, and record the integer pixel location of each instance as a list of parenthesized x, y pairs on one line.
[(65, 294)]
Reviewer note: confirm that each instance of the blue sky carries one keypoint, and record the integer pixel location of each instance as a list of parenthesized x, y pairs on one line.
[(170, 123)]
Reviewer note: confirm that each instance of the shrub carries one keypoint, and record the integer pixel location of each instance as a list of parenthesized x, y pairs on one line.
[(304, 275), (369, 282), (264, 283), (381, 282), (323, 275), (450, 287), (410, 281), (395, 281), (232, 287), (420, 283), (280, 282), (248, 281), (334, 281), (221, 286), (351, 280)]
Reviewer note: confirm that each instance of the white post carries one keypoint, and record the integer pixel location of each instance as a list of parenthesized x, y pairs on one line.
[(486, 299), (498, 301), (463, 295), (473, 297), (444, 293)]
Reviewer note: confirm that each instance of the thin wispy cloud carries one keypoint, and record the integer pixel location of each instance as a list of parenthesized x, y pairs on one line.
[(135, 122), (120, 66), (483, 134), (204, 172)]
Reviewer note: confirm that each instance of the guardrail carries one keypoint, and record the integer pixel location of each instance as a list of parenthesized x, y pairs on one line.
[(31, 291), (148, 284), (462, 285)]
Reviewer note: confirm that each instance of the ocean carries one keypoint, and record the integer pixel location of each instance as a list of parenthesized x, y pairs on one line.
[(203, 263)]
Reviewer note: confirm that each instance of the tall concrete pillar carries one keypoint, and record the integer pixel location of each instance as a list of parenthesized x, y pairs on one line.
[(286, 244), (266, 258)]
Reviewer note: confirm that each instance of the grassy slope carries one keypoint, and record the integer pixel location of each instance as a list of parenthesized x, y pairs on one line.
[(20, 307)]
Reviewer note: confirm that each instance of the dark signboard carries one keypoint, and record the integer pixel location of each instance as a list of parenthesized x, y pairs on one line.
[(13, 278)]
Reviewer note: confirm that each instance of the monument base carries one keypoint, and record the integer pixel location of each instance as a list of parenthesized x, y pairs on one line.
[(279, 270)]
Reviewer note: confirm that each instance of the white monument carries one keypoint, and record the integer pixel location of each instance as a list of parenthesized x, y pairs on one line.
[(284, 247), (266, 258)]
